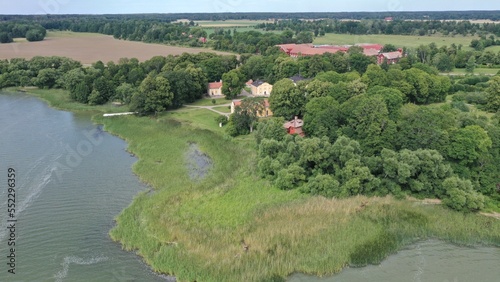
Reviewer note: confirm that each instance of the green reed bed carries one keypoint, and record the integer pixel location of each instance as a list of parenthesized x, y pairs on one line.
[(234, 226)]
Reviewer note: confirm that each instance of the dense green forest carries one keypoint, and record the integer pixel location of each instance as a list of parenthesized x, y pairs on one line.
[(21, 29), (380, 26), (436, 15), (149, 87), (385, 133)]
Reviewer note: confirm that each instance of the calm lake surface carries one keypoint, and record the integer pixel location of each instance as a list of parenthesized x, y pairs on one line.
[(425, 261), (72, 179)]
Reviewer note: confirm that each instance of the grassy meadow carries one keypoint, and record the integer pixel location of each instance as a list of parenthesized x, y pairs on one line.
[(70, 34), (397, 40), (485, 71), (494, 49), (225, 109), (239, 25), (208, 102), (234, 226)]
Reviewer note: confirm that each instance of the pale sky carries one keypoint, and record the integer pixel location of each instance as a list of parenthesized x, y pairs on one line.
[(222, 6)]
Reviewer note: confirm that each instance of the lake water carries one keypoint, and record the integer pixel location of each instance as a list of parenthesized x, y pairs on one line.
[(426, 261), (72, 179)]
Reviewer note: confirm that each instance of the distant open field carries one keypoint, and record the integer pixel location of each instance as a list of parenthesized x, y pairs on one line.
[(90, 47), (239, 25), (397, 40), (486, 71), (493, 49), (229, 23)]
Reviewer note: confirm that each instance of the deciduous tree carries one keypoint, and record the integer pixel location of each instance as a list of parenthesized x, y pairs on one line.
[(493, 91), (233, 83), (154, 95), (287, 100)]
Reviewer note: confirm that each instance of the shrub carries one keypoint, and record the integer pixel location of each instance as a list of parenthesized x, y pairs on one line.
[(460, 105), (221, 119), (459, 96), (478, 98), (324, 185), (461, 195), (35, 35), (5, 37)]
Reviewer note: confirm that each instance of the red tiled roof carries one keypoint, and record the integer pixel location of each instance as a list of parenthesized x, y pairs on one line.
[(295, 123), (215, 85), (370, 46), (392, 55), (310, 50), (371, 52)]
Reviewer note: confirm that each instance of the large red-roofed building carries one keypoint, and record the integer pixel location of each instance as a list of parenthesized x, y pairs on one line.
[(371, 50), (299, 50)]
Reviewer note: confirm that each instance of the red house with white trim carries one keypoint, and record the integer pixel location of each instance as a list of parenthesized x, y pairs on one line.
[(390, 57), (295, 127)]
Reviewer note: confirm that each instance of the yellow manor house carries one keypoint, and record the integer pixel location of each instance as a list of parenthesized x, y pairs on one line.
[(261, 88)]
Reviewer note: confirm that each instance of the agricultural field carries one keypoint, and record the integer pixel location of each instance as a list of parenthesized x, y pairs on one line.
[(397, 40), (91, 47), (211, 30), (239, 25)]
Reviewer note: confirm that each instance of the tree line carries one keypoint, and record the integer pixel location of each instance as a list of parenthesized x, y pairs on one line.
[(149, 87), (28, 30), (446, 58), (381, 26), (403, 15)]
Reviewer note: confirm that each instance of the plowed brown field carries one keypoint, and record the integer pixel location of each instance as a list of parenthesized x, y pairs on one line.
[(89, 48)]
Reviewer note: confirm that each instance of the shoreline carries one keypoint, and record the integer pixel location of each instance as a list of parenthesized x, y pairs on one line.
[(200, 202)]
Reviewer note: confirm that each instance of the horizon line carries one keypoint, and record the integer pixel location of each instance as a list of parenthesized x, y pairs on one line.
[(277, 12)]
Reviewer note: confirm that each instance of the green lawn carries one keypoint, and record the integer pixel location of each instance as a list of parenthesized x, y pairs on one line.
[(397, 40), (211, 30), (494, 49), (487, 71), (225, 109), (199, 118), (208, 102), (57, 33)]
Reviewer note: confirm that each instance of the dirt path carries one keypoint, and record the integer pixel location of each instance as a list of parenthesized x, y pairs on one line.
[(492, 214)]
